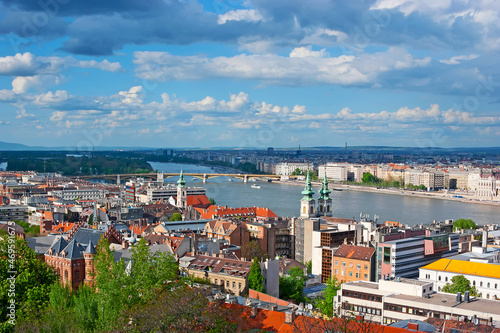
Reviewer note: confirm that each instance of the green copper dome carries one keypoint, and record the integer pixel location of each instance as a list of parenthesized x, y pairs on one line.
[(325, 191), (308, 191), (181, 182)]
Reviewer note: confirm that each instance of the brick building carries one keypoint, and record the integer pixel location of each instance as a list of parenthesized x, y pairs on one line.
[(72, 258)]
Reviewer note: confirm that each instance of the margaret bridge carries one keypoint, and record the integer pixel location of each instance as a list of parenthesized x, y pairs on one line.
[(160, 175)]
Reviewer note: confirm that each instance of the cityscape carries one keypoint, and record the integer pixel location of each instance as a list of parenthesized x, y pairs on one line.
[(249, 166)]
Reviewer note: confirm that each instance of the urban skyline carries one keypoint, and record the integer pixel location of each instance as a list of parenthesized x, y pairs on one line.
[(250, 73)]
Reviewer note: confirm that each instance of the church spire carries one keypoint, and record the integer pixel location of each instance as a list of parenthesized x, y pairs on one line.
[(325, 191), (308, 191), (181, 182)]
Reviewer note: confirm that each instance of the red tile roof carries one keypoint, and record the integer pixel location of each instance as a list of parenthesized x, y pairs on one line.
[(354, 252), (224, 212), (138, 230), (274, 321), (63, 227)]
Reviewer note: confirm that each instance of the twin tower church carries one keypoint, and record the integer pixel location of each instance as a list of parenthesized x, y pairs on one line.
[(309, 207)]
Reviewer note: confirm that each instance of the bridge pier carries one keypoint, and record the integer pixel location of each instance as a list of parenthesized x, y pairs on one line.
[(245, 179), (117, 179), (205, 177)]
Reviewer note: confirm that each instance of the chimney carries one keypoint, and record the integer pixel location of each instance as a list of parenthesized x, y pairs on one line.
[(413, 326), (459, 297), (124, 245), (290, 317), (485, 241), (466, 297), (253, 311)]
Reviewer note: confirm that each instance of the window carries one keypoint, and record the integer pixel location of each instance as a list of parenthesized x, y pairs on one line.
[(439, 278), (343, 263), (366, 267), (495, 286), (358, 266), (336, 271), (365, 276), (446, 279), (350, 265), (239, 285), (234, 284), (488, 285), (227, 284), (481, 283), (350, 274), (336, 262), (357, 275), (216, 281)]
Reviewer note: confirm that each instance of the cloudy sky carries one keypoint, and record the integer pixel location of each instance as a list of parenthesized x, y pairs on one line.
[(251, 73)]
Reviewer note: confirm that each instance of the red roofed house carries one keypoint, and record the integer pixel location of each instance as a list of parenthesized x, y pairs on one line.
[(349, 263)]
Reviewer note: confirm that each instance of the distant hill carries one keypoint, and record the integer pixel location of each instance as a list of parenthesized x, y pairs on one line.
[(13, 146)]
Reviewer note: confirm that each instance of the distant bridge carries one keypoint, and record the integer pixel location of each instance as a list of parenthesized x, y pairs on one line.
[(203, 176)]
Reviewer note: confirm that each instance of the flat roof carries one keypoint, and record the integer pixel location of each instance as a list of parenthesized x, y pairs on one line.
[(465, 267), (449, 300), (364, 284)]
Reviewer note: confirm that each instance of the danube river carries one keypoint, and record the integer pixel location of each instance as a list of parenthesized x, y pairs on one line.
[(284, 200)]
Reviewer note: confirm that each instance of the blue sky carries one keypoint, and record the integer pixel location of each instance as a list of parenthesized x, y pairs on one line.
[(252, 73)]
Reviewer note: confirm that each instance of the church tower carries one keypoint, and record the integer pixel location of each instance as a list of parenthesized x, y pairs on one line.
[(88, 255), (181, 192), (324, 201), (308, 204)]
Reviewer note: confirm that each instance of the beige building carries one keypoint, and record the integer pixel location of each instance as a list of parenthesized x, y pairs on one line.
[(390, 301), (230, 274)]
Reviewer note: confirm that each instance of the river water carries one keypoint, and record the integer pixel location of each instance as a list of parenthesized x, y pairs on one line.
[(284, 200)]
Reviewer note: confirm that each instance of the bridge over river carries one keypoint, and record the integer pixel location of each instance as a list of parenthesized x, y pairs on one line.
[(160, 175)]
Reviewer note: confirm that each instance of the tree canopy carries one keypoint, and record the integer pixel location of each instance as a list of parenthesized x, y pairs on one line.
[(461, 224), (24, 281), (325, 304), (460, 283), (368, 178), (176, 217), (255, 278), (292, 285), (251, 250)]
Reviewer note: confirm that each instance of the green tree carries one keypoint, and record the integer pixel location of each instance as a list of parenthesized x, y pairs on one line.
[(325, 304), (24, 281), (368, 178), (464, 224), (292, 285), (252, 249), (176, 217), (309, 265), (181, 310), (297, 172), (255, 278), (212, 201), (459, 283)]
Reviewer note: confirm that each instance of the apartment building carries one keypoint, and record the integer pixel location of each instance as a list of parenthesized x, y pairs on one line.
[(403, 257), (349, 263), (484, 276), (399, 299), (84, 194)]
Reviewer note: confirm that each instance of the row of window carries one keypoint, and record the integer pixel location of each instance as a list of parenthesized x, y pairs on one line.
[(227, 283), (405, 309), (369, 297), (362, 309), (358, 275), (351, 265)]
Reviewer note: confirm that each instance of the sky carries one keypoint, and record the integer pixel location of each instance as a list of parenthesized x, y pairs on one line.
[(251, 73)]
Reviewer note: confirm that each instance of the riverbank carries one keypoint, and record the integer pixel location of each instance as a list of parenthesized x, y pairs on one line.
[(429, 195)]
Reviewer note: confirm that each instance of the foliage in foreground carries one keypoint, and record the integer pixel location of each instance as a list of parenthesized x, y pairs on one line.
[(325, 304), (292, 285), (460, 283)]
